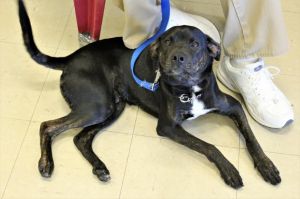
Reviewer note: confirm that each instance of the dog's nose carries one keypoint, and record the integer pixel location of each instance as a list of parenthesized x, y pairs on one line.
[(178, 58)]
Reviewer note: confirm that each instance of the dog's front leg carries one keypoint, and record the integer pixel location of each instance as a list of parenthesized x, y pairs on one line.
[(178, 134), (232, 108)]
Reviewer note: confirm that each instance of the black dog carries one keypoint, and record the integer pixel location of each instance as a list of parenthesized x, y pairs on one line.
[(97, 83)]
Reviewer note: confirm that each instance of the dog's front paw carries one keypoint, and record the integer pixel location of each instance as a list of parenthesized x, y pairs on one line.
[(268, 170), (231, 176), (102, 174), (46, 167)]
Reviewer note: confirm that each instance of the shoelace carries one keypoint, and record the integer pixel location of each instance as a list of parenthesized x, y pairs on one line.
[(260, 83), (272, 75)]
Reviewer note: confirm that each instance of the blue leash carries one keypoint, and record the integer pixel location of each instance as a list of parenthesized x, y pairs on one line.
[(165, 9)]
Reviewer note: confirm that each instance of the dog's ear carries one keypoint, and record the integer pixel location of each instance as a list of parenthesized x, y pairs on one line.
[(214, 48), (153, 49)]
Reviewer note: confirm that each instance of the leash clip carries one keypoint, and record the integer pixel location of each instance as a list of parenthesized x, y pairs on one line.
[(154, 85)]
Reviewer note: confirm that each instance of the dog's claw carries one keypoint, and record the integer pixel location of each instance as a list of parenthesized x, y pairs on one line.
[(46, 167), (268, 171), (102, 174)]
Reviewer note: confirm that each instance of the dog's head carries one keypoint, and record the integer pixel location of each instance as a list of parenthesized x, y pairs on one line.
[(183, 54)]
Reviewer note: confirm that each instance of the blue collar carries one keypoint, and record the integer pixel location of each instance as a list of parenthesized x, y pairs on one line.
[(165, 9)]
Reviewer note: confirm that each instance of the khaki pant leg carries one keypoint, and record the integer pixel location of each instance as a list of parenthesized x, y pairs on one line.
[(142, 18), (254, 28), (119, 4)]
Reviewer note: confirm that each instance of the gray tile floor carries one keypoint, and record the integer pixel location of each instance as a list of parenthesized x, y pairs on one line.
[(142, 164)]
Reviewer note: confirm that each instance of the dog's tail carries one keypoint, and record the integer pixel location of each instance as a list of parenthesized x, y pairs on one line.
[(35, 53)]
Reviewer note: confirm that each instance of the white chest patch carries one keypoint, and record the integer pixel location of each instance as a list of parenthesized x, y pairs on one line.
[(198, 107)]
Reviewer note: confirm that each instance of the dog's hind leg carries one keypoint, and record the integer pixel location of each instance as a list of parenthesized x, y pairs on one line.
[(51, 129), (84, 140)]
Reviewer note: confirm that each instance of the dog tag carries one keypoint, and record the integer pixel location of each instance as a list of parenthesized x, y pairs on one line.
[(184, 98)]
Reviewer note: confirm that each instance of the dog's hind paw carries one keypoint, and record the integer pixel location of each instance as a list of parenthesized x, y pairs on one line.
[(102, 174), (268, 171), (46, 167)]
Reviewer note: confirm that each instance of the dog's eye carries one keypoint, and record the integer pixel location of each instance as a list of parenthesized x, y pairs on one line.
[(195, 44), (168, 42)]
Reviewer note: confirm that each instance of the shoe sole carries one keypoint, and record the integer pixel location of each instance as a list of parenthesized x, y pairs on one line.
[(221, 76)]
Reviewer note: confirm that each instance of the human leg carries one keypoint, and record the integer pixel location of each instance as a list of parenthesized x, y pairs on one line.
[(254, 29), (143, 18)]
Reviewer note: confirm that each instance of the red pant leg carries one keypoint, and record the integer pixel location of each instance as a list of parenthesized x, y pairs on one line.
[(89, 16)]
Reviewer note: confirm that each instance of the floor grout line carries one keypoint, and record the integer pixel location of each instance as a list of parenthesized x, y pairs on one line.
[(164, 138), (132, 135), (217, 145), (64, 30), (11, 42), (238, 163), (13, 118), (30, 121), (278, 153), (21, 44), (26, 133), (14, 163)]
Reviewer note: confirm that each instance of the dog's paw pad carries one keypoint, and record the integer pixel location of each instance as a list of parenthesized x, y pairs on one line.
[(268, 171), (102, 174), (46, 167)]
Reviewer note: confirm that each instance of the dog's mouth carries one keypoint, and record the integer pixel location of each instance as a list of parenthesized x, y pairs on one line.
[(187, 72), (188, 68), (194, 66), (178, 77)]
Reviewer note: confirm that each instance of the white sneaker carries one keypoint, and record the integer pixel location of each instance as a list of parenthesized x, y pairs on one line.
[(264, 101)]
